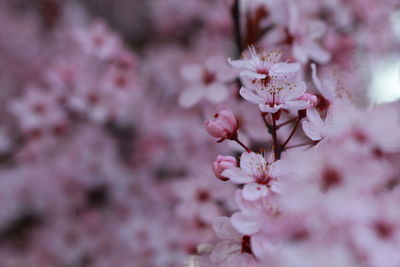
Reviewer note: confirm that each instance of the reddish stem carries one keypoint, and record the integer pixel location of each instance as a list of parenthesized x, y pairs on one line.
[(243, 145), (299, 145), (285, 123), (277, 150), (292, 133)]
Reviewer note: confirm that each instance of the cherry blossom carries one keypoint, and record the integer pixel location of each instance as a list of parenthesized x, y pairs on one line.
[(265, 66), (276, 96), (208, 81), (234, 249), (256, 173)]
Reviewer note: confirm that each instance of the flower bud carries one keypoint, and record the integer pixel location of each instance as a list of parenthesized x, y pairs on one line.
[(310, 98), (223, 163), (223, 125)]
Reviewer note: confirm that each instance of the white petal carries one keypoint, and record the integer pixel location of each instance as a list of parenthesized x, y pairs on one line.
[(252, 74), (314, 117), (284, 68), (216, 93), (245, 224), (314, 77), (192, 73), (317, 29), (191, 97), (267, 108), (224, 249), (224, 230), (317, 53), (241, 260), (311, 132), (208, 211), (252, 163), (254, 191), (277, 188), (262, 247), (240, 63), (295, 105), (238, 176), (299, 53), (250, 96)]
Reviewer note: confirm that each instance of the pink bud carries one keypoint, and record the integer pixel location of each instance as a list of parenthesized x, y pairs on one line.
[(223, 125), (223, 163), (310, 98)]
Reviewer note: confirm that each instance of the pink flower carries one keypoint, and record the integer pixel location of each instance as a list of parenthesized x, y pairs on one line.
[(277, 95), (304, 35), (234, 249), (223, 163), (207, 82), (257, 175), (265, 66), (224, 124)]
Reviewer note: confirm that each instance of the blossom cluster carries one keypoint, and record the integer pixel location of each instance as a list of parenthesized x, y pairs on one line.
[(110, 109)]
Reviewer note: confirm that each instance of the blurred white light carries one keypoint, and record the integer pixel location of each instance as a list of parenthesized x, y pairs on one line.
[(385, 85), (395, 20)]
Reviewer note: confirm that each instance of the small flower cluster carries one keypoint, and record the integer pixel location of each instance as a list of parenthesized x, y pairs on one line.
[(334, 196)]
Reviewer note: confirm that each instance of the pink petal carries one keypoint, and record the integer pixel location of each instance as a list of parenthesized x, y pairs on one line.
[(250, 96), (295, 105), (224, 249), (217, 93), (254, 191), (317, 53), (192, 73), (224, 230), (252, 74), (191, 97), (238, 176), (315, 78), (262, 247), (240, 63), (284, 68), (311, 132), (245, 224), (268, 108), (252, 163), (314, 117)]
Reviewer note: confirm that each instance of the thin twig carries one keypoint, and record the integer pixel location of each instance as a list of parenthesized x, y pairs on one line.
[(292, 133), (243, 145), (285, 123), (300, 145), (237, 27), (277, 150)]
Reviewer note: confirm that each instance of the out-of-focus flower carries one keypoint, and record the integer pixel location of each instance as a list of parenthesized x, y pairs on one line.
[(303, 34), (206, 82), (233, 249)]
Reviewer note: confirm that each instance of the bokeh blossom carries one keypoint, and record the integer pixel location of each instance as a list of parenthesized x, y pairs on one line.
[(112, 154)]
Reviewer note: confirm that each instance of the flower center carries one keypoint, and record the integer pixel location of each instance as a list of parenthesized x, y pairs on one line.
[(267, 79), (208, 77), (203, 196), (246, 246)]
